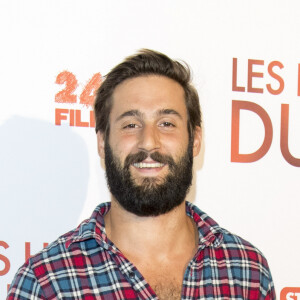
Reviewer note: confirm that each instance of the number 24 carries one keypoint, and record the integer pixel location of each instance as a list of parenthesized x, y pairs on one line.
[(67, 94)]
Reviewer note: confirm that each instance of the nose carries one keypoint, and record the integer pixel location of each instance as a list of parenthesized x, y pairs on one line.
[(149, 139)]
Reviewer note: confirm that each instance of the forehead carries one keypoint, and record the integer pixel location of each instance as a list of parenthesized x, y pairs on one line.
[(148, 94)]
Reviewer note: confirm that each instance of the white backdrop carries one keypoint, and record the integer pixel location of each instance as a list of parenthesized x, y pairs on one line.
[(51, 176)]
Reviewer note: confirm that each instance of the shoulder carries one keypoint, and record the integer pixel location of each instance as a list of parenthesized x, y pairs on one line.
[(61, 251), (26, 283), (241, 250), (245, 262), (57, 258), (225, 244), (230, 257)]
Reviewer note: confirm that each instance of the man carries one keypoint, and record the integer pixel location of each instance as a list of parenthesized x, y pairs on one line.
[(148, 243)]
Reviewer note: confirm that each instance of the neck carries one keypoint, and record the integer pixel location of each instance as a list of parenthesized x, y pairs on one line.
[(168, 234)]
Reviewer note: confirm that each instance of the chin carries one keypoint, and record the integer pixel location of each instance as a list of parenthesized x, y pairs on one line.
[(149, 182)]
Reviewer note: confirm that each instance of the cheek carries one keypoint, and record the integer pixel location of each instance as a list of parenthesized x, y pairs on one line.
[(174, 145), (126, 141), (123, 145)]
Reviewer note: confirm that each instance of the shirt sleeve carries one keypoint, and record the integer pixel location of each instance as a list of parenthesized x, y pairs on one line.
[(25, 285), (271, 291)]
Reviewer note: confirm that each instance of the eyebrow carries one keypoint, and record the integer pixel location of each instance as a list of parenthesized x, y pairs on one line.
[(130, 113), (137, 113), (168, 111)]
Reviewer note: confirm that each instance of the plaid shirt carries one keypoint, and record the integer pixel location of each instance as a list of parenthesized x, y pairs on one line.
[(85, 264)]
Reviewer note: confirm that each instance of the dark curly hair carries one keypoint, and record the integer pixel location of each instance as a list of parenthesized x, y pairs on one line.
[(143, 63)]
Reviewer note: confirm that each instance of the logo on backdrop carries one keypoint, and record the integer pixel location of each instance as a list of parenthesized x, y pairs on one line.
[(238, 105), (290, 293), (73, 108)]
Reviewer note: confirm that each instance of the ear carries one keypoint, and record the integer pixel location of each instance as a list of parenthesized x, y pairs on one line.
[(100, 144), (197, 140)]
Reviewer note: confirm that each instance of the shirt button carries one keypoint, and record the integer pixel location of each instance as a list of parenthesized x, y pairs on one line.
[(131, 275)]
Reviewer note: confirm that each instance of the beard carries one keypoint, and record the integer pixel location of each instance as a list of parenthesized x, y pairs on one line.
[(154, 196)]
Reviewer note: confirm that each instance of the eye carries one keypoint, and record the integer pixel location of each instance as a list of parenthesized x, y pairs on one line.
[(167, 124), (130, 126)]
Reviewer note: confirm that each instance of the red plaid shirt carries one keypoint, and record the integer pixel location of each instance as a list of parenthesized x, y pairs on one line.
[(85, 264)]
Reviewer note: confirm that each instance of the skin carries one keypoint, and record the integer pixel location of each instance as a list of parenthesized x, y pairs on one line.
[(149, 114)]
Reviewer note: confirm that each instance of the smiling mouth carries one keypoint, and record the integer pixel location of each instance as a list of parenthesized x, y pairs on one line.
[(142, 165)]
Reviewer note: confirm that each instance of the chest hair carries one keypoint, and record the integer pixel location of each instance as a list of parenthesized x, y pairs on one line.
[(167, 289)]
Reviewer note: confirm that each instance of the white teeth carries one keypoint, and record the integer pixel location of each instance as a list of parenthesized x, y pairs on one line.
[(148, 165)]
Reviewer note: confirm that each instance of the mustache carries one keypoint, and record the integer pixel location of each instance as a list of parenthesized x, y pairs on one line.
[(142, 155)]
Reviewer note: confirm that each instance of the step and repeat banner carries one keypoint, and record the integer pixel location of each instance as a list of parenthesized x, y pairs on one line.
[(245, 57)]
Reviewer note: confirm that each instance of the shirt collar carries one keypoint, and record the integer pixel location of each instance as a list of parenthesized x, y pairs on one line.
[(92, 228), (210, 234)]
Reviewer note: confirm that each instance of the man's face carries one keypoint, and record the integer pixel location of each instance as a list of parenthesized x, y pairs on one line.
[(148, 153)]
